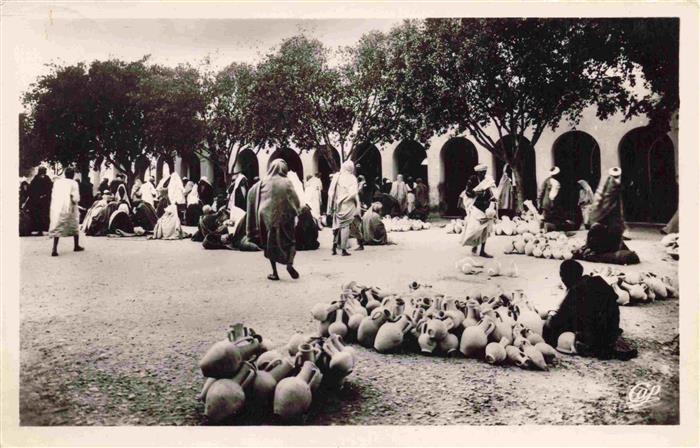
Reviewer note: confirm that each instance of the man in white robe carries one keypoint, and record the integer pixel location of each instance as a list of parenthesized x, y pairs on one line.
[(64, 213), (148, 192)]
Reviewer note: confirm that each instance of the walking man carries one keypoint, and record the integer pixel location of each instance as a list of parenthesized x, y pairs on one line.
[(65, 197)]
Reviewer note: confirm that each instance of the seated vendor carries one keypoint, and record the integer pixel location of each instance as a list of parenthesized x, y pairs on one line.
[(604, 241), (373, 228), (591, 312), (306, 230)]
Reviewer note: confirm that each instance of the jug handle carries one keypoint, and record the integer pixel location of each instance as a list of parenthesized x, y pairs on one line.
[(249, 374), (490, 327), (271, 365)]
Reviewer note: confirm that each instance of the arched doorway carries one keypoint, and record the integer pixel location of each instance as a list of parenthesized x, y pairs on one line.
[(141, 166), (458, 156), (164, 167), (409, 160), (368, 162), (291, 157), (577, 155), (247, 163), (527, 160), (324, 170), (191, 168), (650, 189)]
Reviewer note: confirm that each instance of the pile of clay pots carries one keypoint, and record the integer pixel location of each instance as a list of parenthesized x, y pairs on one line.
[(489, 325), (671, 242), (553, 245), (473, 266), (516, 226), (638, 287), (241, 373), (404, 224), (455, 226)]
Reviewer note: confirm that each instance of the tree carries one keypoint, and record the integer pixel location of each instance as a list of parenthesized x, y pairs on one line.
[(300, 98), (226, 116), (56, 128), (515, 76)]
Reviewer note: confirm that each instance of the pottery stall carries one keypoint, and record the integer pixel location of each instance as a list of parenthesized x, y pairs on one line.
[(242, 374), (491, 325)]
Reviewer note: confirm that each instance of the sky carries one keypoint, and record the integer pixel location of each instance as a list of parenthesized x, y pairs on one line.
[(171, 41)]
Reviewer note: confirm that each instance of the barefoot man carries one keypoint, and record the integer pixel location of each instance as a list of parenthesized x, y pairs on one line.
[(481, 189), (65, 196)]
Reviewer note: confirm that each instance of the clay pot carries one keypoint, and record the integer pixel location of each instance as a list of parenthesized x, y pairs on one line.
[(390, 335), (341, 361), (226, 397), (472, 318), (474, 339), (356, 313), (547, 351), (224, 358), (294, 342), (266, 380), (623, 297), (338, 326), (322, 311), (495, 352), (529, 318), (323, 327), (529, 248), (425, 342), (449, 345), (439, 326), (516, 356), (534, 338), (267, 357), (450, 309), (369, 327), (535, 356), (635, 291), (292, 396)]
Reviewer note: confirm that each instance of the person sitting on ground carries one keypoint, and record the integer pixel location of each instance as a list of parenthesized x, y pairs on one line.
[(144, 214), (96, 222), (422, 204), (552, 205), (163, 202), (120, 222), (306, 230), (591, 312), (373, 228), (168, 226), (604, 241)]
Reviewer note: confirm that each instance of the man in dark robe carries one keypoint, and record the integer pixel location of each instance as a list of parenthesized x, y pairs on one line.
[(604, 240), (144, 214), (96, 222), (422, 201), (552, 201), (386, 186), (205, 191), (120, 222), (238, 192), (591, 312), (306, 231), (116, 182), (373, 228), (104, 185), (40, 201), (86, 197)]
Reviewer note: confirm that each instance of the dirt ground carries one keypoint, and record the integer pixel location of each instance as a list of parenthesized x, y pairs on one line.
[(112, 336)]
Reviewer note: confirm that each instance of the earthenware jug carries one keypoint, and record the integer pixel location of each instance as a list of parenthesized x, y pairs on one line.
[(356, 313), (266, 380), (322, 311), (294, 342), (474, 339), (369, 327), (224, 358), (425, 342), (292, 396), (472, 318), (342, 361), (226, 397), (390, 335), (449, 306), (449, 345), (267, 357), (439, 326), (495, 352), (516, 356), (547, 351), (623, 297), (338, 326), (534, 356)]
